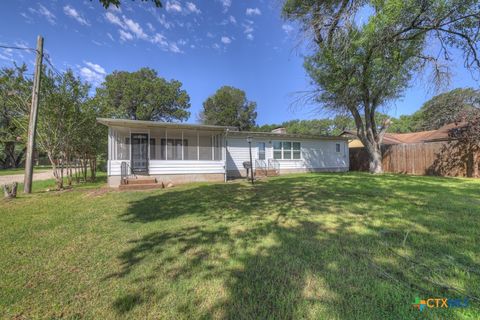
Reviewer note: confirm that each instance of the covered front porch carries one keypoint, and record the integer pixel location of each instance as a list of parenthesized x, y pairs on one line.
[(165, 150)]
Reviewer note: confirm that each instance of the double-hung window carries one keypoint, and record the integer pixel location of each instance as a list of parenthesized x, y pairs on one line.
[(287, 150)]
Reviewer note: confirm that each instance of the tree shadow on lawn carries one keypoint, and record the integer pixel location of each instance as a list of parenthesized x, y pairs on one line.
[(325, 245)]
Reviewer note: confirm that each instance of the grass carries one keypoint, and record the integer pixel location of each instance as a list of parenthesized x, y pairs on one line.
[(314, 246), (7, 172)]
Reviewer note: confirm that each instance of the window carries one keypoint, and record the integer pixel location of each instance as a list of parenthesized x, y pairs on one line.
[(287, 150), (296, 150), (337, 147), (173, 149), (152, 148), (277, 150)]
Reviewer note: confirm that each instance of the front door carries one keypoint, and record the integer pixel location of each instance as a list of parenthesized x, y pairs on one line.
[(260, 150), (139, 152)]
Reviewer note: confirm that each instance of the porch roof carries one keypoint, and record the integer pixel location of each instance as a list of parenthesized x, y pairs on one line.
[(157, 124), (231, 131)]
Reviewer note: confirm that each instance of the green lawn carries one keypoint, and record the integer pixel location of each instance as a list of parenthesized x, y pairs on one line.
[(315, 246)]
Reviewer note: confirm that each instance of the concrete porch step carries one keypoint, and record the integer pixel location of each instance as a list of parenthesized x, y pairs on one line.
[(265, 173), (141, 181), (144, 186)]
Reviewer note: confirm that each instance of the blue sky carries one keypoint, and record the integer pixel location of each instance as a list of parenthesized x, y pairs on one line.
[(204, 44)]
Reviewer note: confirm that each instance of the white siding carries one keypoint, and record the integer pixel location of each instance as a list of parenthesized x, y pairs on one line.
[(173, 167), (316, 154), (238, 152), (185, 167), (321, 154), (114, 167)]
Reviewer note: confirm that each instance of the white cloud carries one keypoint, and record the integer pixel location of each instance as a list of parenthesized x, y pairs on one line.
[(43, 11), (164, 44), (128, 27), (163, 21), (174, 48), (27, 18), (124, 36), (193, 8), (114, 19), (287, 28), (232, 19), (248, 29), (173, 6), (96, 67), (253, 12), (160, 18), (210, 35), (93, 73), (71, 12), (160, 39), (226, 4), (5, 57), (226, 40), (109, 35), (135, 28)]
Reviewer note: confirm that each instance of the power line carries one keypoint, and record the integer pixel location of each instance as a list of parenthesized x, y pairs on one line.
[(49, 62), (17, 48), (45, 55)]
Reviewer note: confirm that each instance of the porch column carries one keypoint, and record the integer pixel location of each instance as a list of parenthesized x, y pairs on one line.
[(198, 146), (182, 145), (212, 141), (166, 144), (109, 143), (114, 145)]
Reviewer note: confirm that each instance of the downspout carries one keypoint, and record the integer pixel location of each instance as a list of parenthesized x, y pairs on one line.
[(226, 150)]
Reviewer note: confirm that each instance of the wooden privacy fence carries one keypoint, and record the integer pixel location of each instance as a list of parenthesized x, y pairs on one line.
[(428, 158)]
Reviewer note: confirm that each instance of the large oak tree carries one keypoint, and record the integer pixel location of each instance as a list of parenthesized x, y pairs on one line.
[(360, 65), (143, 95)]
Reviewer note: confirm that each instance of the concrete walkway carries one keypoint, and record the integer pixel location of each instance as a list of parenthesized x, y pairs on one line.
[(19, 177)]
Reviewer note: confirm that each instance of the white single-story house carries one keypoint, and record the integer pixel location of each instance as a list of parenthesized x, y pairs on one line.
[(179, 152)]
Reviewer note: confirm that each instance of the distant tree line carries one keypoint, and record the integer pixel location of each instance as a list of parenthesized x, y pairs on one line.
[(445, 108)]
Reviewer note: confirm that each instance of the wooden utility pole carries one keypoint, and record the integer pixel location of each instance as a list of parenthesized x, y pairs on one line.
[(32, 125)]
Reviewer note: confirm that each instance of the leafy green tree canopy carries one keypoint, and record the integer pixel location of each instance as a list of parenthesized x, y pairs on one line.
[(15, 93), (143, 95), (445, 108), (229, 106)]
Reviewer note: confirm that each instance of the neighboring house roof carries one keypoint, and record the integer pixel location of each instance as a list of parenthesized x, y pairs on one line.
[(355, 143), (231, 130), (440, 134)]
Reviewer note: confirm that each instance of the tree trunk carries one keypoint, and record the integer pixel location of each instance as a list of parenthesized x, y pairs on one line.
[(93, 169), (56, 174), (375, 161), (10, 154)]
